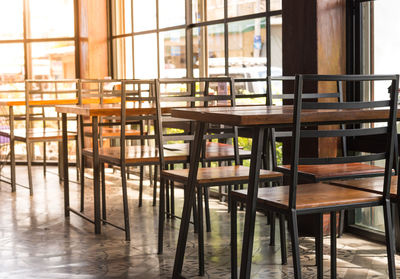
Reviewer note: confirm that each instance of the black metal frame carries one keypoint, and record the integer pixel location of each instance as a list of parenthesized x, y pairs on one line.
[(188, 27)]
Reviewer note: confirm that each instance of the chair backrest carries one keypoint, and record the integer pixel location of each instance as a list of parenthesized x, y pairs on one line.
[(140, 102), (281, 98), (197, 92), (41, 97), (361, 127), (99, 90)]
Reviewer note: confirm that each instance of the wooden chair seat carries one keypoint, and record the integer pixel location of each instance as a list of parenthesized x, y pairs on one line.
[(313, 195), (370, 184), (136, 154), (38, 134), (226, 174), (214, 150), (317, 173), (111, 132)]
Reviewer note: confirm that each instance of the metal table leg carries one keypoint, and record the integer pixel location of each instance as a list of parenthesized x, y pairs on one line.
[(96, 175), (251, 202), (189, 199), (65, 163)]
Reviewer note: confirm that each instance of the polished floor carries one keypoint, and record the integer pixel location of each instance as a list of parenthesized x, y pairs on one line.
[(38, 242)]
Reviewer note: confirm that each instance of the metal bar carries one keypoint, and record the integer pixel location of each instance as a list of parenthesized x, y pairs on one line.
[(96, 175), (65, 164), (12, 149), (333, 244)]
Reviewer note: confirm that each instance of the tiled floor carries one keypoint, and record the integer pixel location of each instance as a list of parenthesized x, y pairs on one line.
[(38, 242)]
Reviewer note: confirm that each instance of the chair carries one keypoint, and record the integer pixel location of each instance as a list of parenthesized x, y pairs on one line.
[(318, 198), (102, 91), (139, 103), (220, 144), (208, 177), (42, 123)]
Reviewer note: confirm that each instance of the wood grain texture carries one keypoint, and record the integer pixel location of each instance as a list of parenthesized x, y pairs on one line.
[(219, 174), (319, 172), (314, 195), (371, 184)]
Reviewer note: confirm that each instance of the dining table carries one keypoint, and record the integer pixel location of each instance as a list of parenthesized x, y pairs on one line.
[(257, 119)]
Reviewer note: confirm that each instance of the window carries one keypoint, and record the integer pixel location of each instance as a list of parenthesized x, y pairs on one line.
[(235, 39)]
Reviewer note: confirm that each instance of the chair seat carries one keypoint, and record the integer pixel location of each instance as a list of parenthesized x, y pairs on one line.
[(37, 134), (316, 173), (370, 184), (111, 132), (310, 196), (214, 150), (220, 174), (136, 154)]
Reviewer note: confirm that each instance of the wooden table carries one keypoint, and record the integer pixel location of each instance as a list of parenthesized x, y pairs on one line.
[(257, 118), (94, 111)]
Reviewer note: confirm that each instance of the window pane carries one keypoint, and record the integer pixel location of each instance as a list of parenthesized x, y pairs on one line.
[(245, 7), (276, 45), (122, 21), (209, 55), (214, 8), (275, 5), (144, 15), (51, 18), (123, 58), (54, 60), (145, 56), (12, 62), (172, 12), (247, 49), (172, 54), (11, 15)]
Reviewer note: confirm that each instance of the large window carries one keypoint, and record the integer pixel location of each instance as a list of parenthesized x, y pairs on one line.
[(196, 38)]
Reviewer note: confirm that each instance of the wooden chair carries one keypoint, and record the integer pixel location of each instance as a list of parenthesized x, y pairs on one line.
[(318, 198), (139, 102), (42, 123), (211, 176), (220, 144)]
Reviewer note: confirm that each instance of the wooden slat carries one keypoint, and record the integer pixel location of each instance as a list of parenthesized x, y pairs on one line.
[(219, 174), (310, 196)]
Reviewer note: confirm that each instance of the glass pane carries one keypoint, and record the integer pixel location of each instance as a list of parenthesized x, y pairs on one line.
[(144, 15), (122, 21), (51, 18), (54, 60), (245, 7), (276, 45), (371, 218), (172, 12), (11, 15), (172, 54), (214, 8), (209, 54), (386, 41), (145, 56), (12, 62), (275, 5), (123, 58), (247, 49)]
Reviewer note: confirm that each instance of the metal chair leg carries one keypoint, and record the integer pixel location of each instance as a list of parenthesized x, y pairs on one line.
[(341, 223), (141, 186), (172, 195), (234, 273), (200, 230), (44, 159), (103, 192), (282, 231), (29, 159), (125, 202), (207, 209), (82, 182), (155, 185), (272, 233), (161, 216), (389, 235), (295, 244), (333, 245), (319, 246)]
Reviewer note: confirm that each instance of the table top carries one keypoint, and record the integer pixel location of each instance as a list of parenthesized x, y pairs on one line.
[(275, 115), (43, 102)]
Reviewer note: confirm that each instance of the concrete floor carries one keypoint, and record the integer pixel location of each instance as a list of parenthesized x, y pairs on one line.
[(38, 242)]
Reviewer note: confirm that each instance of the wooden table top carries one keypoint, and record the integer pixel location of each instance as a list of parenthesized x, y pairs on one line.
[(275, 115), (40, 102)]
